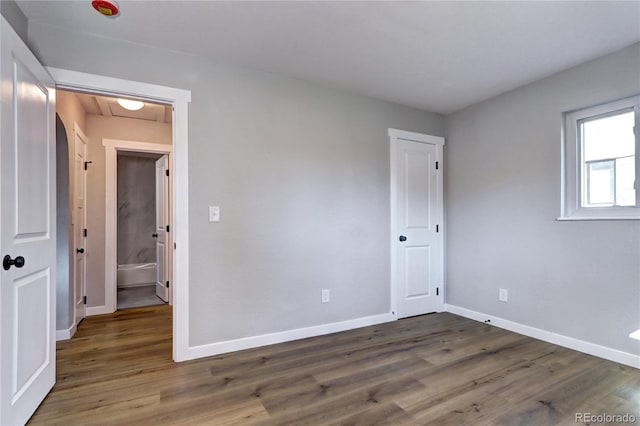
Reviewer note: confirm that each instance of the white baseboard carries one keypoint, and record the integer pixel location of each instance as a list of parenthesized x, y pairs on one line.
[(97, 310), (551, 337), (66, 334), (194, 352)]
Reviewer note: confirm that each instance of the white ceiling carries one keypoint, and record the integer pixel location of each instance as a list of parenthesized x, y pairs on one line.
[(109, 107), (438, 56)]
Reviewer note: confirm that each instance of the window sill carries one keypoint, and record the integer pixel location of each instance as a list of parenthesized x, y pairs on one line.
[(578, 218)]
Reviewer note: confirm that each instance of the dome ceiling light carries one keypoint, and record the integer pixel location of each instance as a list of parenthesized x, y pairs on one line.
[(130, 104)]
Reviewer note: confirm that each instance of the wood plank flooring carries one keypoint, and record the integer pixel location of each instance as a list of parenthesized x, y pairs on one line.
[(436, 369)]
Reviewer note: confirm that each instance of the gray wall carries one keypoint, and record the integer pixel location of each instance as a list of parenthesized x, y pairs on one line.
[(136, 209), (301, 173), (14, 16), (64, 280), (580, 279)]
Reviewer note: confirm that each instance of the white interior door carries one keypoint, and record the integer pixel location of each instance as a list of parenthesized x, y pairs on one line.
[(80, 221), (27, 230), (417, 229), (162, 228)]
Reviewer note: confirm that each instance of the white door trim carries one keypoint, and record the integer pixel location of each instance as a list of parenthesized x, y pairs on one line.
[(394, 136), (179, 99), (111, 148)]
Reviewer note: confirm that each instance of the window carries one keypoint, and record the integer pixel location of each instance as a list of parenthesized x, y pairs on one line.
[(601, 169)]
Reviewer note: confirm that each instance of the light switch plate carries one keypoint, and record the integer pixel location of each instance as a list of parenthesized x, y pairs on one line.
[(214, 213)]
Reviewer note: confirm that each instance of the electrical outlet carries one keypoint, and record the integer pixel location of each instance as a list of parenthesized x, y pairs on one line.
[(503, 295), (214, 214), (326, 296)]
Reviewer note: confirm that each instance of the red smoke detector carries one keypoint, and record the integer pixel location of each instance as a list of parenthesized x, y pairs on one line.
[(105, 7)]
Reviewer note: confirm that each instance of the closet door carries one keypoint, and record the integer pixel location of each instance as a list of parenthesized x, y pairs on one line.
[(417, 240)]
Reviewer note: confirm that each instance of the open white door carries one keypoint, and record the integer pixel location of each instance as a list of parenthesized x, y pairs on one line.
[(162, 228), (80, 221), (27, 230), (417, 222)]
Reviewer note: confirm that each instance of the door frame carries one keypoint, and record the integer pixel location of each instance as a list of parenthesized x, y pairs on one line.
[(394, 136), (179, 99), (111, 149)]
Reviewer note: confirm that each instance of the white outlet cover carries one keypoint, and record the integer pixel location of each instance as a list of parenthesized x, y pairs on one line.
[(503, 295), (214, 214)]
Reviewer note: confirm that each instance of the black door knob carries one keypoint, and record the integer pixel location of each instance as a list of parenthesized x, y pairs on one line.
[(8, 262), (154, 235), (402, 238), (80, 250)]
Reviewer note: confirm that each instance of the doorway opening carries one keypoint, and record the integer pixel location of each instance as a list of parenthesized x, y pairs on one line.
[(138, 237), (120, 193), (143, 217), (177, 101)]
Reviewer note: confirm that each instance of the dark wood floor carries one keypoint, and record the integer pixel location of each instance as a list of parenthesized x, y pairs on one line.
[(434, 369)]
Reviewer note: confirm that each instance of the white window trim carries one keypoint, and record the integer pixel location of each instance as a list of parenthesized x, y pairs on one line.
[(571, 165)]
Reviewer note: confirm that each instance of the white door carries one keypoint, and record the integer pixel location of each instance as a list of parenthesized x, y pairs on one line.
[(27, 230), (417, 228), (162, 228), (80, 220)]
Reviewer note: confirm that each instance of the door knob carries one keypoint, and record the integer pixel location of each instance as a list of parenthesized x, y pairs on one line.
[(8, 262), (402, 238), (80, 250), (154, 235)]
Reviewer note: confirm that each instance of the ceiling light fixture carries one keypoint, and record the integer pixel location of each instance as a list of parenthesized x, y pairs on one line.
[(107, 8), (129, 104)]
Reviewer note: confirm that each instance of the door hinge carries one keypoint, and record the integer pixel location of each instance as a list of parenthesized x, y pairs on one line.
[(86, 164), (437, 228), (436, 165), (84, 300), (167, 172), (174, 246), (167, 228), (85, 232), (167, 284), (437, 291)]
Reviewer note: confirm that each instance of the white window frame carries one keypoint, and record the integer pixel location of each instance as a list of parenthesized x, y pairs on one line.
[(572, 189)]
